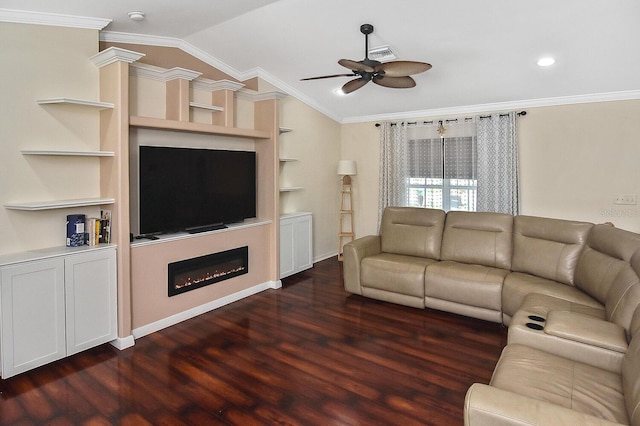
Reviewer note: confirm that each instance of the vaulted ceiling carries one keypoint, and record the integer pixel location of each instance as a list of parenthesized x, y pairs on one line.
[(483, 53)]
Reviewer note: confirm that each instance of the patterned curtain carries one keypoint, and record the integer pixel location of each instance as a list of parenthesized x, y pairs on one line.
[(497, 164), (393, 166)]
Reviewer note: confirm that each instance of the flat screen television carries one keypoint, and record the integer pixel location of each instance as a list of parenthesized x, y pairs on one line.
[(192, 189)]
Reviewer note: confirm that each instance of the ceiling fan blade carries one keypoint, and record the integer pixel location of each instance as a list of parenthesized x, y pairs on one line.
[(355, 65), (327, 76), (354, 85), (403, 82), (403, 68)]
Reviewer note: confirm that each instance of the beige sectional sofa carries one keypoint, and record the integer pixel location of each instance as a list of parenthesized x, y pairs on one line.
[(568, 291)]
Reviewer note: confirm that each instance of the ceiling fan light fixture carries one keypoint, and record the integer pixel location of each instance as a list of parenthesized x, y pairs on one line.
[(393, 74)]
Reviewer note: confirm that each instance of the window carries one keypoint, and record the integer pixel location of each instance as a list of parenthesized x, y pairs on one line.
[(445, 194), (441, 172)]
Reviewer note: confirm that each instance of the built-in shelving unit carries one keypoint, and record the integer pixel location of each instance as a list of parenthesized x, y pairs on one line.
[(71, 153), (72, 203), (74, 101), (284, 160), (160, 123), (205, 106), (58, 204)]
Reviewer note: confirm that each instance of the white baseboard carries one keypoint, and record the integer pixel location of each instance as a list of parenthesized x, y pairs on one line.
[(325, 256), (198, 310), (123, 342)]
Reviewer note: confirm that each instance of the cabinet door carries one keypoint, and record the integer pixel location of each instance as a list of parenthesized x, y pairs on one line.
[(33, 318), (303, 243), (90, 284), (286, 248)]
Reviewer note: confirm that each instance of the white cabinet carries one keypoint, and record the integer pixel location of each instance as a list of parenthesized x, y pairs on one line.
[(90, 299), (33, 315), (296, 243), (55, 303)]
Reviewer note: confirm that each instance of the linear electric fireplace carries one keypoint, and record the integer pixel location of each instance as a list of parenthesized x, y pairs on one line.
[(191, 274)]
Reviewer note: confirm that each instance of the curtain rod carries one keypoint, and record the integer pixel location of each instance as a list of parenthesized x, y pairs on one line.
[(453, 120)]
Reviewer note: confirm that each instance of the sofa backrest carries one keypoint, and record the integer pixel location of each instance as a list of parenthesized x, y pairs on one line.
[(607, 252), (631, 373), (548, 248), (623, 296), (479, 238), (412, 231)]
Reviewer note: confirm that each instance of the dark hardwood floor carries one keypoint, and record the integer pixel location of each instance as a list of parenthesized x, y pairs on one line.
[(308, 354)]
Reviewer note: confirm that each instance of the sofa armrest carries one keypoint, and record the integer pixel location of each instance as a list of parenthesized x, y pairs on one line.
[(354, 251), (586, 329), (489, 406)]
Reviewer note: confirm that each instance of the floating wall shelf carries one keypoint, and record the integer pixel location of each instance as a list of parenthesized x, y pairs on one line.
[(73, 101), (185, 126), (284, 130), (62, 152), (291, 189), (59, 204), (205, 106)]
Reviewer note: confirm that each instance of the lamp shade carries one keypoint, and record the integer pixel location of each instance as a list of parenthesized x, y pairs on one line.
[(347, 168)]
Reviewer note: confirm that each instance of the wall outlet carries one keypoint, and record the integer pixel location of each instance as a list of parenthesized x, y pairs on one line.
[(626, 199)]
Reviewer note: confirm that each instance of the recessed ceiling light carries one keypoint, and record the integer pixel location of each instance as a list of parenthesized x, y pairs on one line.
[(545, 62), (136, 16)]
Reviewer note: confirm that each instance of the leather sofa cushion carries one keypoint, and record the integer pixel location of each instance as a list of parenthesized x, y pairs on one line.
[(607, 251), (412, 231), (576, 350), (517, 286), (395, 273), (548, 248), (473, 285), (586, 329), (542, 304), (543, 376), (623, 298), (478, 238)]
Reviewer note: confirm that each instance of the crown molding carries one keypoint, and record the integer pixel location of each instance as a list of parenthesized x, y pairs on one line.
[(153, 72), (115, 54), (129, 38), (500, 106), (150, 40), (254, 96), (53, 19), (209, 85)]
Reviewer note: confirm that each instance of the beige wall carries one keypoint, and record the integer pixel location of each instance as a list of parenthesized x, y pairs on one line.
[(574, 159), (44, 62)]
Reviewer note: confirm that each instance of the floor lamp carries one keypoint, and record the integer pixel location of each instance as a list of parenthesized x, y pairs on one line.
[(346, 169)]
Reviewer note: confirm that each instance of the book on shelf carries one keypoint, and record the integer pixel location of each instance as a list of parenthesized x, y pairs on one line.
[(75, 230), (82, 230), (90, 226), (105, 226)]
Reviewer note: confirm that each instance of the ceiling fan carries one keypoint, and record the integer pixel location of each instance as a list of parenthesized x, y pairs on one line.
[(393, 74)]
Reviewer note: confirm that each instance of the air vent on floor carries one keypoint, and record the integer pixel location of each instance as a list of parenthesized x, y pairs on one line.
[(382, 54)]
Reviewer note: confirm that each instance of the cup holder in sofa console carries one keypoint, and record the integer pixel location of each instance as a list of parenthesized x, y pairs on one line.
[(536, 318), (534, 326)]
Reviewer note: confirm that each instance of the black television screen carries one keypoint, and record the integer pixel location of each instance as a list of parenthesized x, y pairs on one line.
[(183, 188)]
